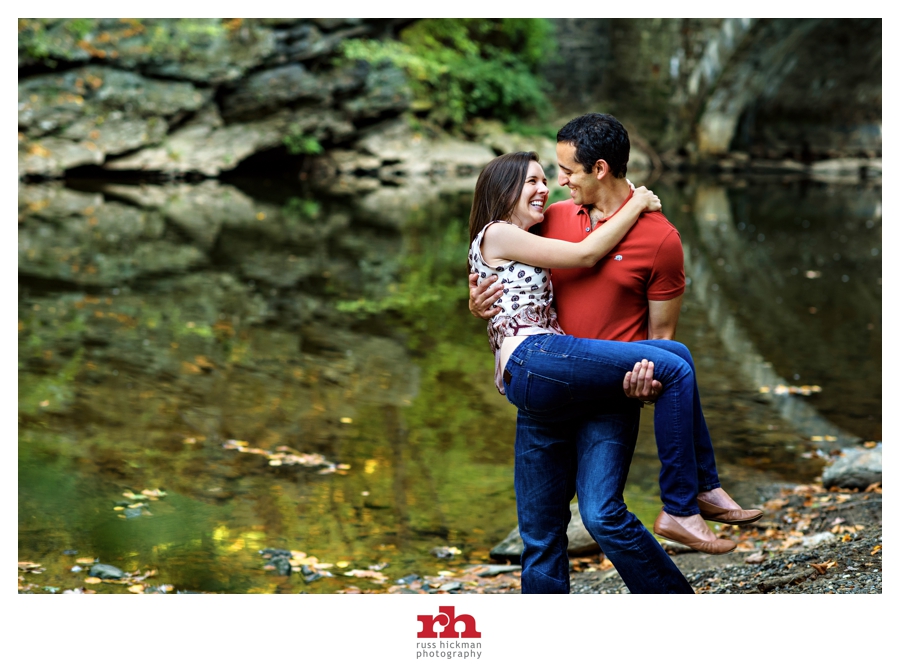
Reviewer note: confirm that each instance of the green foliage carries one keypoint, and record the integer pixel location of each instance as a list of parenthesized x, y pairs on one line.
[(299, 144), (459, 68), (426, 280), (301, 209), (520, 127)]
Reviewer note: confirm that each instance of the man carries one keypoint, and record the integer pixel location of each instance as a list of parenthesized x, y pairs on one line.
[(633, 294)]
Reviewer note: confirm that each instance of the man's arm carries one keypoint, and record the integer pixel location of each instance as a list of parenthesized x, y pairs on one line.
[(482, 298), (663, 318)]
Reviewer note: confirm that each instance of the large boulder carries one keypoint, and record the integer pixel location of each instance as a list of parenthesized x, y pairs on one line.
[(855, 469)]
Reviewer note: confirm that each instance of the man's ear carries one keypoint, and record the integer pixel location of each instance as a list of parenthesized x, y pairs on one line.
[(601, 169)]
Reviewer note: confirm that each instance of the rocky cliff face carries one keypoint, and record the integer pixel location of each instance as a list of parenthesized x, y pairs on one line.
[(181, 96), (806, 89), (199, 96)]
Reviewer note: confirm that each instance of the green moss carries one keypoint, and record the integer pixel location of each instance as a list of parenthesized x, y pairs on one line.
[(299, 144)]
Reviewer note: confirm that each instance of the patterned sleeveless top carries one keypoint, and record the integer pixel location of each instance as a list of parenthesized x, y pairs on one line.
[(526, 306)]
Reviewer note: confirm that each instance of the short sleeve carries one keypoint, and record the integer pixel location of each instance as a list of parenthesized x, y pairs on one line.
[(667, 274)]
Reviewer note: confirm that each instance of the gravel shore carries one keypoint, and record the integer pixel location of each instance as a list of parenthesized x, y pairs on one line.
[(810, 541)]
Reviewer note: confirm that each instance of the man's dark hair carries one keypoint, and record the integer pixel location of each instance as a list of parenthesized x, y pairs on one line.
[(598, 136)]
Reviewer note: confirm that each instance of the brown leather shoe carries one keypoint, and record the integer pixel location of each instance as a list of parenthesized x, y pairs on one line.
[(734, 517), (665, 526)]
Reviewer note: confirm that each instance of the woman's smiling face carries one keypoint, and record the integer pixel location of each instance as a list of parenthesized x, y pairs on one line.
[(530, 207)]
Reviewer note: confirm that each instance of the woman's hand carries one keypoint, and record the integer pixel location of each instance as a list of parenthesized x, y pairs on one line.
[(648, 199)]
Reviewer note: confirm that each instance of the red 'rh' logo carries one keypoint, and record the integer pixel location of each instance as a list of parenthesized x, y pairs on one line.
[(448, 619)]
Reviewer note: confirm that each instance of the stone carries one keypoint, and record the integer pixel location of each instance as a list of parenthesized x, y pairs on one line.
[(52, 156), (492, 134), (101, 90), (280, 565), (855, 469), (386, 90), (81, 116), (82, 238), (199, 210), (580, 541), (396, 142), (103, 571), (819, 539), (269, 90), (206, 147)]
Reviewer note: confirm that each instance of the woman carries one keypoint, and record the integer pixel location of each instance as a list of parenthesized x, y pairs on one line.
[(542, 370)]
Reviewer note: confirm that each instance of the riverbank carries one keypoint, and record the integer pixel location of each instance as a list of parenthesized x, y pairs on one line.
[(811, 540)]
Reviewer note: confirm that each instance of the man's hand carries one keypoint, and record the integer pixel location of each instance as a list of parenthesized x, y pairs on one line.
[(640, 384), (481, 298)]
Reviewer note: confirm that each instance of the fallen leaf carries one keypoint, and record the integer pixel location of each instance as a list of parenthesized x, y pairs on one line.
[(136, 588), (234, 444), (875, 550), (85, 561), (367, 574), (342, 564), (821, 568), (756, 558), (92, 580)]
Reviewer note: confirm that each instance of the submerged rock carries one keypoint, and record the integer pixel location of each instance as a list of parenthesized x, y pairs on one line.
[(103, 571)]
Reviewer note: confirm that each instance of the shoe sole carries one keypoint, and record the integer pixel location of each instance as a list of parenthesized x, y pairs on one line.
[(722, 553), (743, 522)]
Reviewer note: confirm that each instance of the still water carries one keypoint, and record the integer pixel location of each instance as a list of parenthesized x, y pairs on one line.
[(327, 343)]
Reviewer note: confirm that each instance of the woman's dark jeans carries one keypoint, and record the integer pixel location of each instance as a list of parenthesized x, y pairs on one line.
[(574, 418)]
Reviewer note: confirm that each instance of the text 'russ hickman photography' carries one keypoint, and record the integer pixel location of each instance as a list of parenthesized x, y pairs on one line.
[(439, 636)]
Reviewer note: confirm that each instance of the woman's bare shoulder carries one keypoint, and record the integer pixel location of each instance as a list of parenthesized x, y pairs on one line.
[(492, 241)]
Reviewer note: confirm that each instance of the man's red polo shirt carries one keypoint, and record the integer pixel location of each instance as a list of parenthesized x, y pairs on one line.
[(609, 300)]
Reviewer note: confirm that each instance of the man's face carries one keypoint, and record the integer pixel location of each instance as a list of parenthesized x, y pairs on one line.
[(584, 187)]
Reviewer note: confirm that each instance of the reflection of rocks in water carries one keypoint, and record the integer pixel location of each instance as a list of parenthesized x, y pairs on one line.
[(794, 292), (159, 359), (85, 239), (166, 374)]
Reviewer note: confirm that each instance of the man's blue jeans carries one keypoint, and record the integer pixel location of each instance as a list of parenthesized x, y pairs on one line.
[(576, 433)]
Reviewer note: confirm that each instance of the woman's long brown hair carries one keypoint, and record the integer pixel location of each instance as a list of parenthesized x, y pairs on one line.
[(498, 188)]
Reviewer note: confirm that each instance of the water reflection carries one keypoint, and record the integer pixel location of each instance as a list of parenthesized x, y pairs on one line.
[(790, 275), (157, 322)]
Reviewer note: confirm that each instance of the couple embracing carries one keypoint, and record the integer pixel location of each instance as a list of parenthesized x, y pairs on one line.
[(581, 321)]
